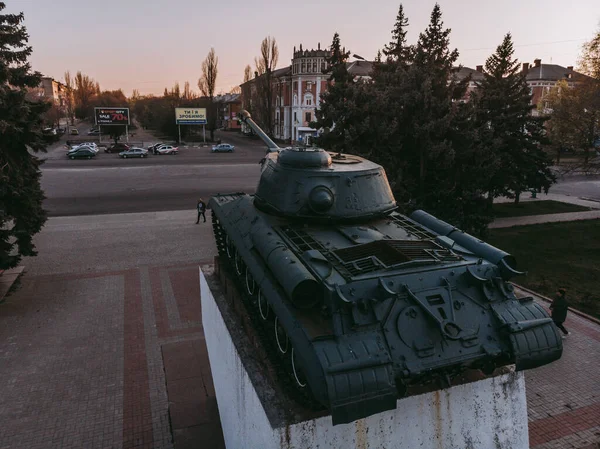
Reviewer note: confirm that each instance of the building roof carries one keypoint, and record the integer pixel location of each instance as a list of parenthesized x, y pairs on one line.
[(553, 72), (282, 72), (228, 98), (462, 72), (359, 68)]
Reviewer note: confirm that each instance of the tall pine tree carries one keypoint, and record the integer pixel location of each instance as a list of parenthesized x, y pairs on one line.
[(21, 213), (513, 137), (332, 115), (398, 50)]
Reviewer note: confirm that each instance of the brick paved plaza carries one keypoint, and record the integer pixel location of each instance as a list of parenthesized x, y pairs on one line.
[(116, 359)]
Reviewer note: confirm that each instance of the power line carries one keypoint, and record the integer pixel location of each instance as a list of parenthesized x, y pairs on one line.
[(527, 45)]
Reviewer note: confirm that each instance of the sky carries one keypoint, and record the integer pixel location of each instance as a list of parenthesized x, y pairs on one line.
[(152, 44)]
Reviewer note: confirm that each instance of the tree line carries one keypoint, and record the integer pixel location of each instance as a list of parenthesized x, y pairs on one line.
[(444, 150)]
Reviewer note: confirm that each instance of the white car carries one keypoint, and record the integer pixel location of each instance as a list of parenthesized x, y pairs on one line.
[(166, 149), (91, 146), (223, 148)]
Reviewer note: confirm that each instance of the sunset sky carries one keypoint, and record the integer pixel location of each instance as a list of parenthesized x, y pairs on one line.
[(151, 44)]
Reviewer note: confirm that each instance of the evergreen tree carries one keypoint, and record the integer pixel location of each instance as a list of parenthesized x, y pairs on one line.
[(333, 113), (398, 50), (511, 134), (21, 213)]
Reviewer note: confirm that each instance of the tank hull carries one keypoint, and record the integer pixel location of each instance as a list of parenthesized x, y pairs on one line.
[(359, 312)]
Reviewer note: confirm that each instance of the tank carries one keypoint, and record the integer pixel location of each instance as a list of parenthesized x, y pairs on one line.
[(358, 302)]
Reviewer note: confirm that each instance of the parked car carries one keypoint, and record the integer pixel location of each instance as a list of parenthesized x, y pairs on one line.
[(74, 132), (166, 149), (49, 131), (117, 148), (81, 153), (223, 148), (93, 132), (153, 147), (133, 152), (91, 145)]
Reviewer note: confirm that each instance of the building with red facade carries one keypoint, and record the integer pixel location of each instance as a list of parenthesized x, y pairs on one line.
[(543, 77), (297, 92), (297, 88)]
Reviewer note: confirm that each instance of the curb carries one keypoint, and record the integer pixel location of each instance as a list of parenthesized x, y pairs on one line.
[(7, 279), (545, 298)]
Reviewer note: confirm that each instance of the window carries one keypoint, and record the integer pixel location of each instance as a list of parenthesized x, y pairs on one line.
[(295, 118), (308, 99), (307, 116), (295, 99)]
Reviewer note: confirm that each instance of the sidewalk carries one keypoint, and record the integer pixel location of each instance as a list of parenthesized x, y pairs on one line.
[(548, 218), (102, 346)]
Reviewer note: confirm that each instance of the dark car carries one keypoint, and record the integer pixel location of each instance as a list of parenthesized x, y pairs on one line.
[(93, 132), (133, 152), (81, 153), (117, 148)]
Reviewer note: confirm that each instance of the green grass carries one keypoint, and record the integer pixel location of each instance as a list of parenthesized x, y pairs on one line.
[(504, 210), (557, 255)]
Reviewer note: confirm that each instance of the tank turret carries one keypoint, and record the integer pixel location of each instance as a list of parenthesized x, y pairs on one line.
[(358, 303), (311, 183)]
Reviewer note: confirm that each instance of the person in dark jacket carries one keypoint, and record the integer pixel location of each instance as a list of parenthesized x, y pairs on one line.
[(201, 210), (559, 308)]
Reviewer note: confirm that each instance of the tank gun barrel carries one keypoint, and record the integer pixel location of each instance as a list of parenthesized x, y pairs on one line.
[(246, 118)]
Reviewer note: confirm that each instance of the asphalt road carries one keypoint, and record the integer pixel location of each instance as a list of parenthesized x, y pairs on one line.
[(108, 184), (580, 186)]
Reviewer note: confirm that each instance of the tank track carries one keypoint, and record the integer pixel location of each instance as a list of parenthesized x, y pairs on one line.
[(265, 328)]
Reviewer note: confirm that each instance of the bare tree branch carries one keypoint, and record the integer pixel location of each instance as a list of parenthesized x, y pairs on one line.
[(265, 65), (247, 73), (208, 82)]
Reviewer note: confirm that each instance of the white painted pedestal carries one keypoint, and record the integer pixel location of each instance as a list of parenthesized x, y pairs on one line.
[(490, 413)]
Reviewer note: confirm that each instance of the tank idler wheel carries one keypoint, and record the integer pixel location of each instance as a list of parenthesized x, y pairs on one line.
[(250, 284), (239, 264), (297, 371), (283, 342), (264, 307)]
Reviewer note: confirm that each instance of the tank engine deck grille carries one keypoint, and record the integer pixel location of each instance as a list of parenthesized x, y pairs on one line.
[(374, 256), (382, 254)]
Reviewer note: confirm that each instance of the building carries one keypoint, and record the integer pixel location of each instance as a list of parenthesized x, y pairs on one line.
[(228, 107), (543, 77), (297, 88), (51, 89), (297, 92)]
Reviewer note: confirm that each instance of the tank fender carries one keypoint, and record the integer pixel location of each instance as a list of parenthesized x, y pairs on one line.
[(506, 262)]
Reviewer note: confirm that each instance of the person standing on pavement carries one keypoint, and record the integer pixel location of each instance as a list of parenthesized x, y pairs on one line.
[(559, 308), (201, 206)]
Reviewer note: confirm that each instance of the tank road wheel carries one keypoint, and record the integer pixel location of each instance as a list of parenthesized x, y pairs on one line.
[(250, 284), (240, 266), (299, 376), (230, 248), (263, 306), (282, 339), (219, 236)]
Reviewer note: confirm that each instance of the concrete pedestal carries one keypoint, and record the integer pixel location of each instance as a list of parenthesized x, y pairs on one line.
[(490, 413)]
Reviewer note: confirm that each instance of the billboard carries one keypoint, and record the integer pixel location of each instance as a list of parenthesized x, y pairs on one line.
[(112, 116), (190, 116)]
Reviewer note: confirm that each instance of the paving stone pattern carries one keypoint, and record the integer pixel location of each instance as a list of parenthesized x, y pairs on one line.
[(118, 360)]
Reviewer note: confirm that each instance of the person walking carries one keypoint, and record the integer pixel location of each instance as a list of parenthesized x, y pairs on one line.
[(201, 210), (559, 308)]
